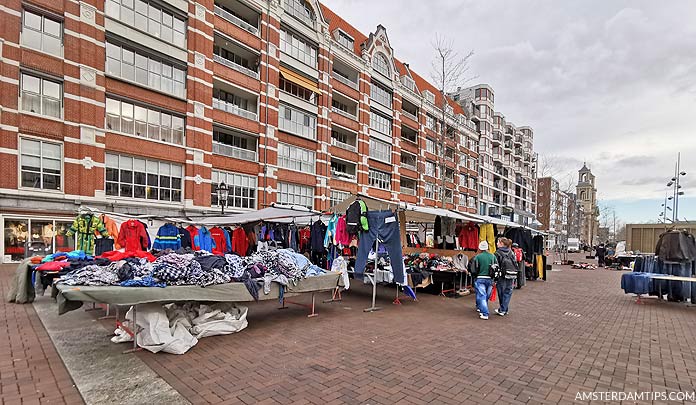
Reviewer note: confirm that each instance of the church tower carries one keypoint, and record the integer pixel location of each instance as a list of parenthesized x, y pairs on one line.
[(587, 195)]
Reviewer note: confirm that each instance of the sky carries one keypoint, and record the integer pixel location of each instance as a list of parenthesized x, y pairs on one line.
[(607, 82)]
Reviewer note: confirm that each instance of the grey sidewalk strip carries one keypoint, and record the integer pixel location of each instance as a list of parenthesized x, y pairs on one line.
[(101, 372)]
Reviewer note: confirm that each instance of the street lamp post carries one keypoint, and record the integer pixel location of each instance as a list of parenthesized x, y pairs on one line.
[(222, 193), (675, 183)]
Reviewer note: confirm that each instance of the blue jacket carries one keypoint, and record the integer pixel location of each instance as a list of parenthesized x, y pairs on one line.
[(204, 241), (167, 238)]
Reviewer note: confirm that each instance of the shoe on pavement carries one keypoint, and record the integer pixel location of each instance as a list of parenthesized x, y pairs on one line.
[(478, 310), (484, 317), (497, 311)]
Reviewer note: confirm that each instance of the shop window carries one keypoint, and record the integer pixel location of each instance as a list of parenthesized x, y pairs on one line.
[(16, 234)]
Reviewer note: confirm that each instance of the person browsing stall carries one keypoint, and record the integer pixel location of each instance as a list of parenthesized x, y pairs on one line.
[(482, 268), (508, 266)]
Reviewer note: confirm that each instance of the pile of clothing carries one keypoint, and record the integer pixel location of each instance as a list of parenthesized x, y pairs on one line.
[(282, 266), (584, 266)]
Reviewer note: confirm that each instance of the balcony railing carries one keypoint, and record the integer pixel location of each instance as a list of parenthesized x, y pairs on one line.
[(407, 190), (342, 175), (344, 113), (238, 68), (409, 166), (409, 115), (233, 109), (345, 80), (235, 20), (343, 145), (234, 151)]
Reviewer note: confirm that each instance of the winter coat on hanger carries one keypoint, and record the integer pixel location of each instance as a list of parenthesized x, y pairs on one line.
[(193, 232), (185, 238), (204, 240), (112, 228), (167, 238), (240, 243), (133, 236), (222, 241), (85, 226)]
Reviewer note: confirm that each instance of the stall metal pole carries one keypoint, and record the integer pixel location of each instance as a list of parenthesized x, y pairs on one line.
[(135, 332), (373, 279)]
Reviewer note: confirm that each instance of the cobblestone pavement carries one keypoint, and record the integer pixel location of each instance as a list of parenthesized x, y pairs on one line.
[(577, 332), (31, 372)]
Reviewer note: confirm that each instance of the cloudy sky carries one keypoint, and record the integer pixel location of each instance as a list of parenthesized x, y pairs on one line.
[(609, 82)]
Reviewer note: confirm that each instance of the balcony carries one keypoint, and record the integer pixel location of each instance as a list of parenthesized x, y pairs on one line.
[(518, 140), (235, 20), (344, 80), (234, 109), (238, 68), (335, 142), (234, 152), (407, 190), (409, 115), (342, 175), (497, 138), (409, 166), (344, 113)]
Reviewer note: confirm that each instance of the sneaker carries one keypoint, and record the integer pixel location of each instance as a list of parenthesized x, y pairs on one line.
[(497, 311), (484, 317), (478, 310)]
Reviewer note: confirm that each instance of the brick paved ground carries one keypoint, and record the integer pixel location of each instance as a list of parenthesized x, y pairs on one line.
[(435, 351), (31, 372)]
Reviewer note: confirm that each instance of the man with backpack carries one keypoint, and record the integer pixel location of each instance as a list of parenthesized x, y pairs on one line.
[(508, 268), (484, 268)]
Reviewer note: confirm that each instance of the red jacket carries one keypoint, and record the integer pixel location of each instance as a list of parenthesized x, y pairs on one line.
[(240, 243), (220, 237), (133, 236), (193, 231), (468, 236)]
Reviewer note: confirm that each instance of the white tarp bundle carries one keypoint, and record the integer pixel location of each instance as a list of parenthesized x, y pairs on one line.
[(175, 328)]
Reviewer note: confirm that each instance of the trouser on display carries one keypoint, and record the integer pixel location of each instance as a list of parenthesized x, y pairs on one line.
[(383, 226)]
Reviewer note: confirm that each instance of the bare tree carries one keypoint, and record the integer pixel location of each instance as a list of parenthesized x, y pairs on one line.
[(555, 166), (449, 70)]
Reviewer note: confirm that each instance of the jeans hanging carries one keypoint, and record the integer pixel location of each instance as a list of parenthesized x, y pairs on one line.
[(385, 226)]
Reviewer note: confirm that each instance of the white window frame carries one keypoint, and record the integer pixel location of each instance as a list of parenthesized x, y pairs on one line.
[(430, 191), (379, 179), (380, 150), (338, 196), (298, 48), (20, 153), (42, 33), (380, 123), (237, 183), (292, 124), (163, 116), (149, 163), (296, 194), (428, 171), (156, 24), (40, 94), (294, 158), (345, 40), (381, 94), (380, 64)]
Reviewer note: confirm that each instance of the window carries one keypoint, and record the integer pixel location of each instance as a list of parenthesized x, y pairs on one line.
[(242, 189), (408, 186), (345, 40), (147, 71), (343, 139), (231, 98), (430, 97), (380, 150), (234, 145), (380, 123), (134, 177), (42, 33), (40, 164), (430, 122), (294, 158), (295, 194), (297, 121), (133, 119), (297, 91), (298, 48), (150, 18), (430, 146), (408, 160), (381, 94), (231, 56), (338, 197), (430, 168), (41, 96), (380, 64), (300, 10), (430, 191), (379, 179), (449, 154), (341, 106), (342, 170)]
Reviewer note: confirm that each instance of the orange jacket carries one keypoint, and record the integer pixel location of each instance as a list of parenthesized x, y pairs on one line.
[(112, 228)]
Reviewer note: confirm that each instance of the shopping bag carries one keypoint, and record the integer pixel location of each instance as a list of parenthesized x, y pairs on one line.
[(494, 296)]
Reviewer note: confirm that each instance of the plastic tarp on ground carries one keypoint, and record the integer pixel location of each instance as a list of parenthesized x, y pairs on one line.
[(71, 297), (271, 214)]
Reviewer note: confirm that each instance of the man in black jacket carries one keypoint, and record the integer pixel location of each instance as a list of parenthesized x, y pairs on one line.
[(601, 253), (509, 268)]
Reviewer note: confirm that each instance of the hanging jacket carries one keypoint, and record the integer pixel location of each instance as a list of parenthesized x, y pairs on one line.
[(318, 233), (147, 233), (193, 232), (185, 238), (305, 237), (329, 238), (240, 243), (468, 236), (85, 226), (342, 236), (133, 236), (112, 228), (204, 240), (356, 219), (222, 241), (167, 238)]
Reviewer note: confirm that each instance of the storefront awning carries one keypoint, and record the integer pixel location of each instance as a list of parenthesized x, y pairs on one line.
[(299, 80)]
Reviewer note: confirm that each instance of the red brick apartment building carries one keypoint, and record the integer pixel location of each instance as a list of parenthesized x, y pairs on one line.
[(145, 106)]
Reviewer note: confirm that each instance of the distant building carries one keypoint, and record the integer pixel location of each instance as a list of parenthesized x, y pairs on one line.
[(587, 195), (576, 215), (553, 211)]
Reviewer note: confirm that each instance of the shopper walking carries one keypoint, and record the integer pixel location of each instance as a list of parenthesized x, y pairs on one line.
[(509, 267), (483, 268), (601, 253)]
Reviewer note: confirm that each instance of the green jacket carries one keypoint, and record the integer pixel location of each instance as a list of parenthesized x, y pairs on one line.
[(481, 264), (85, 226)]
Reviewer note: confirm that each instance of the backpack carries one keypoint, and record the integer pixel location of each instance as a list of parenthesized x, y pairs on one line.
[(508, 262), (495, 270), (356, 218)]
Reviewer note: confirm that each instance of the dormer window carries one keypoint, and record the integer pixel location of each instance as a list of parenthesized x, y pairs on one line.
[(300, 10), (380, 64), (430, 97), (345, 39), (408, 82)]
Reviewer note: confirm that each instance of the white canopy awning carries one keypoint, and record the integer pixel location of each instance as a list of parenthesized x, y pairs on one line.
[(275, 213)]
